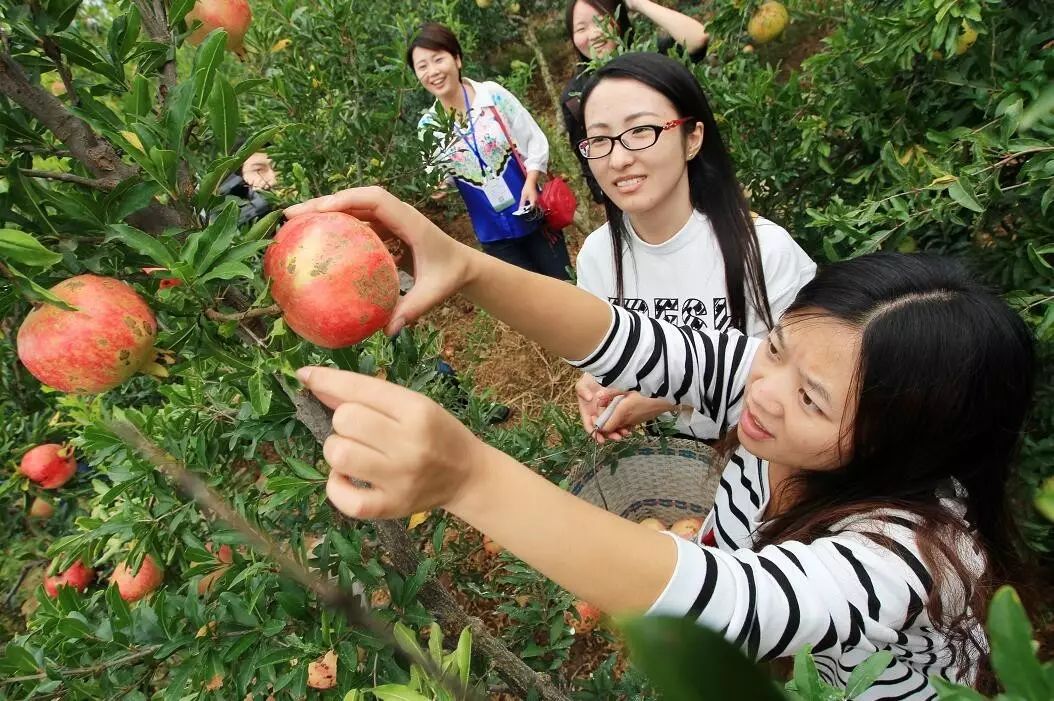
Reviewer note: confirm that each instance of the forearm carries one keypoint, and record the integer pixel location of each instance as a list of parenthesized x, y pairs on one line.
[(532, 179), (613, 563), (565, 320), (686, 31)]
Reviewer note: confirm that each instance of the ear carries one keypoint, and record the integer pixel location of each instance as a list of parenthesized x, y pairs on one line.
[(695, 140)]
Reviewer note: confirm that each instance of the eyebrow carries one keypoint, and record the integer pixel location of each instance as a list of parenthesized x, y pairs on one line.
[(812, 383), (635, 115)]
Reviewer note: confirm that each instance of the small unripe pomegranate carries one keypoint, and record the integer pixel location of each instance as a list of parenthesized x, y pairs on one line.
[(42, 509), (50, 465), (135, 586), (78, 575), (588, 617), (687, 527)]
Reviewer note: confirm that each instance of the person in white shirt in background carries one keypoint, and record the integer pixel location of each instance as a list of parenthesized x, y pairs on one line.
[(681, 243)]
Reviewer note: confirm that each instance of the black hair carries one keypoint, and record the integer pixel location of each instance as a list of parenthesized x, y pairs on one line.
[(435, 37), (712, 185)]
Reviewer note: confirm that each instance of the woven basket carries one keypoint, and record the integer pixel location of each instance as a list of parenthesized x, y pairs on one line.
[(668, 481)]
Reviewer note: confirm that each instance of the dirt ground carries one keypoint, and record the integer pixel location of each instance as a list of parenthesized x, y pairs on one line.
[(520, 373)]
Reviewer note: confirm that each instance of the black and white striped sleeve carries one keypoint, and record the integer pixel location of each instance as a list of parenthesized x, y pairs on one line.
[(846, 590), (706, 370)]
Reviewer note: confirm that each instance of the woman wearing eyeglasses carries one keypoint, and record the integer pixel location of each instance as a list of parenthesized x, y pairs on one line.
[(496, 158), (595, 27), (681, 243)]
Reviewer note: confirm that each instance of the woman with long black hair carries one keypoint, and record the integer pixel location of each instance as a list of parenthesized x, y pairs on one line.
[(680, 243), (594, 28)]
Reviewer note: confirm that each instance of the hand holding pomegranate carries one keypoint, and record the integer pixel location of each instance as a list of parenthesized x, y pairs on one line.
[(414, 455), (441, 265)]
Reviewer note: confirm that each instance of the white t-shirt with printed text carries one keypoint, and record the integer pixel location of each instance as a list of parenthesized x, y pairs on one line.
[(682, 281)]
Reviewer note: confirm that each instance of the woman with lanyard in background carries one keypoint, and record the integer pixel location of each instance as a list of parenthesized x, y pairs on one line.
[(593, 27), (496, 160)]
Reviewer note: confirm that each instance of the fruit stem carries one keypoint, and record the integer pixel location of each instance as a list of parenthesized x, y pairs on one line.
[(273, 310)]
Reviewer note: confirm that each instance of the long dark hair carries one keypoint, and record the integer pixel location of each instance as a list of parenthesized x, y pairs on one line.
[(943, 388), (712, 185), (616, 9)]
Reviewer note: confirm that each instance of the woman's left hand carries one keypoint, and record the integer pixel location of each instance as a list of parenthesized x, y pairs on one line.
[(414, 455)]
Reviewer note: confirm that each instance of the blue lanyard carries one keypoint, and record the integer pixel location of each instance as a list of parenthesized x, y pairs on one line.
[(474, 146)]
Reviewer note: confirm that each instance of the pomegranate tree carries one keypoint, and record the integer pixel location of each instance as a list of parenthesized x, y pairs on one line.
[(50, 465), (233, 16), (333, 277), (107, 339)]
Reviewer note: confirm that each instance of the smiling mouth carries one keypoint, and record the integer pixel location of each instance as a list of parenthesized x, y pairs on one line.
[(752, 426), (630, 182), (437, 83)]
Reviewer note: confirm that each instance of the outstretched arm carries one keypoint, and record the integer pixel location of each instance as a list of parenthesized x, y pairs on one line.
[(689, 33)]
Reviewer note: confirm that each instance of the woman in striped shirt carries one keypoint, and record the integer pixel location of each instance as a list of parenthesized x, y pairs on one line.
[(863, 510)]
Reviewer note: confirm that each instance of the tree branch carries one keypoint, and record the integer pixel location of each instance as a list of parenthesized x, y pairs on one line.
[(69, 178), (97, 155), (83, 671), (439, 602), (333, 597), (51, 49), (155, 21)]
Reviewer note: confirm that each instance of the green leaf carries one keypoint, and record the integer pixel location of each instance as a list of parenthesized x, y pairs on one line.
[(140, 99), (964, 196), (463, 655), (865, 673), (206, 61), (397, 692), (263, 225), (407, 640), (306, 472), (143, 243), (1013, 658), (259, 394), (686, 661), (22, 248), (223, 114), (807, 680), (20, 659), (205, 246), (228, 271), (435, 643), (177, 113), (946, 691), (218, 171), (34, 292)]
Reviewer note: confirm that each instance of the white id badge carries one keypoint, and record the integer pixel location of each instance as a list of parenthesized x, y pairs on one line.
[(498, 194)]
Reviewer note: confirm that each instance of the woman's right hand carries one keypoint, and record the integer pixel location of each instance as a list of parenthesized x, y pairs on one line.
[(593, 398), (441, 265)]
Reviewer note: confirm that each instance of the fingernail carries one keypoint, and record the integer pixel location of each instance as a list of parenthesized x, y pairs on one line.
[(303, 374), (396, 327)]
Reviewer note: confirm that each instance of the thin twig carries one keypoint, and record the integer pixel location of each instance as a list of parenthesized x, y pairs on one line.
[(273, 310), (18, 583), (82, 671), (95, 183)]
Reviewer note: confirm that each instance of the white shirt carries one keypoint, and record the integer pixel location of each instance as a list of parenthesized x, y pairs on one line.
[(682, 280)]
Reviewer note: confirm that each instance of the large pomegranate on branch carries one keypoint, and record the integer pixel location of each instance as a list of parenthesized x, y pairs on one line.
[(233, 16), (333, 277), (107, 339)]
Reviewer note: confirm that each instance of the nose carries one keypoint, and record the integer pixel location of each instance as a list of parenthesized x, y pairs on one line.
[(765, 393), (620, 156)]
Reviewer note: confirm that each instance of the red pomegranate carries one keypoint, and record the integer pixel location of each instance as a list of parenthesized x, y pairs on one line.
[(104, 342), (78, 576), (50, 465), (133, 587), (233, 16), (333, 277)]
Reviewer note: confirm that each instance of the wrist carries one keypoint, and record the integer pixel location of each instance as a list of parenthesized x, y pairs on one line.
[(482, 464)]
